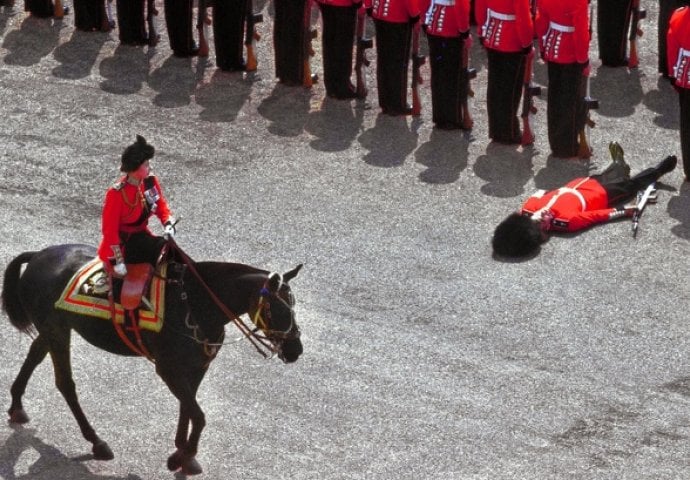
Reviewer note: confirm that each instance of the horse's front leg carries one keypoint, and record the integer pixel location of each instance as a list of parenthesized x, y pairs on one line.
[(185, 388)]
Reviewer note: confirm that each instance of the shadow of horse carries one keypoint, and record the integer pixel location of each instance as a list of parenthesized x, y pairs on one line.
[(679, 209), (22, 446), (78, 55), (175, 81), (664, 102), (335, 125), (34, 39), (559, 171), (619, 90)]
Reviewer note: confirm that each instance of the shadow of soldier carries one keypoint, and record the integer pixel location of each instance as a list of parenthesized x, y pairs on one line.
[(287, 108), (223, 96), (679, 209), (559, 171), (22, 447), (125, 71), (618, 89), (445, 155), (175, 81), (78, 55), (389, 141), (34, 39), (664, 102), (335, 125), (506, 169)]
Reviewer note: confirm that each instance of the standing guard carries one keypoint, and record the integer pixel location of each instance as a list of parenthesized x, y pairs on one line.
[(563, 30), (506, 30), (91, 16), (678, 53), (339, 18), (447, 27), (292, 35), (613, 23), (178, 20), (229, 17), (394, 21), (666, 9), (131, 22)]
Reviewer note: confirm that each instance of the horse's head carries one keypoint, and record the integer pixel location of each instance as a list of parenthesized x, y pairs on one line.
[(274, 315)]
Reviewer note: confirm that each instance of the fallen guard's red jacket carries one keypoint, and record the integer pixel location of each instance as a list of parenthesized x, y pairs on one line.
[(576, 206)]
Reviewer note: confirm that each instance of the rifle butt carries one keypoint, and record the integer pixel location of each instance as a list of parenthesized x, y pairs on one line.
[(106, 25), (633, 60), (416, 103), (467, 120), (527, 134), (203, 43), (58, 9), (584, 150), (252, 63), (150, 13)]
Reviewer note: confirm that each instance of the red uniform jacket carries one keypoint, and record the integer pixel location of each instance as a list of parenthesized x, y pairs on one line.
[(447, 18), (394, 11), (678, 47), (127, 209), (563, 30), (578, 205), (505, 25)]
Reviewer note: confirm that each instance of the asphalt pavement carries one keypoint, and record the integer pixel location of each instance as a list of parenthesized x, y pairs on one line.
[(425, 358)]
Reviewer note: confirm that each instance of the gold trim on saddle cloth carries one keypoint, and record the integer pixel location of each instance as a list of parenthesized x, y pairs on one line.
[(74, 299)]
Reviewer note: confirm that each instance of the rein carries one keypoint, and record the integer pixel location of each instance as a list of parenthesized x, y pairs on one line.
[(260, 343)]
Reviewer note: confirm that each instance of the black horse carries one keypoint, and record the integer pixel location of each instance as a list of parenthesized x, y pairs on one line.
[(200, 299)]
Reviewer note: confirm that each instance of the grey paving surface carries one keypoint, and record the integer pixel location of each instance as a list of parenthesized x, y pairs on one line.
[(424, 357)]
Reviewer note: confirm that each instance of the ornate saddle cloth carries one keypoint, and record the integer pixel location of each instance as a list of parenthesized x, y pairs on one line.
[(87, 294)]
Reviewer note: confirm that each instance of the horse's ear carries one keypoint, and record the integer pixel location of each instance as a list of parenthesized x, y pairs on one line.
[(292, 273)]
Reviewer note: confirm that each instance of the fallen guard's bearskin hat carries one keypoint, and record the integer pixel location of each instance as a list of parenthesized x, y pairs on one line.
[(516, 236), (136, 154)]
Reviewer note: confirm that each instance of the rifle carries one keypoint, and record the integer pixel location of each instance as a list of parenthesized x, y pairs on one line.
[(584, 150), (361, 60), (308, 51), (150, 13), (417, 62), (58, 9), (528, 109), (202, 22), (635, 31), (648, 195), (252, 36), (470, 73)]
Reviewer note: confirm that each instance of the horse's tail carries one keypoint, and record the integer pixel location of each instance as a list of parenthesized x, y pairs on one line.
[(11, 303)]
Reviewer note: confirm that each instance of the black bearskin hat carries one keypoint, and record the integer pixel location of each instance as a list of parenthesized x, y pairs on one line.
[(516, 236), (136, 154)]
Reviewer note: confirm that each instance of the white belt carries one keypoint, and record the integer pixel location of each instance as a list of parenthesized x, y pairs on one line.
[(445, 3), (561, 28), (499, 16), (537, 215)]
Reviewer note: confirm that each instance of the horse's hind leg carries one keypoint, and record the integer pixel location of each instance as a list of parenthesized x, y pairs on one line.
[(59, 351), (37, 353)]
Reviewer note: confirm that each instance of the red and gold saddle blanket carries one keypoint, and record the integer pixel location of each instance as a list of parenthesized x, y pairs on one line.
[(87, 294)]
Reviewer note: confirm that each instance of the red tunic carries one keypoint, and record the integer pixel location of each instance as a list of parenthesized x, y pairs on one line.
[(678, 47), (394, 11), (505, 25), (563, 30), (126, 210), (578, 205), (339, 3), (447, 18)]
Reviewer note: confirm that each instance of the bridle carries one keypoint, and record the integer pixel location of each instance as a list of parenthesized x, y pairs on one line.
[(269, 342)]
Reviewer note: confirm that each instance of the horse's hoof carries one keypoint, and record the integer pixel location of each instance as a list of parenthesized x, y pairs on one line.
[(19, 416), (175, 461), (101, 451), (191, 467)]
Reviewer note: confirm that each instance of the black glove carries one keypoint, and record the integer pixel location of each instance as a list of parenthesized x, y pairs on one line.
[(414, 20), (528, 49), (370, 11)]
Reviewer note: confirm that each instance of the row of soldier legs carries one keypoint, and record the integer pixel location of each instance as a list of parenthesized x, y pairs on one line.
[(566, 104)]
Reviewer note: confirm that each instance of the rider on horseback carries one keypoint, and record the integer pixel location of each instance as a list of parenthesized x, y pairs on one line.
[(128, 205)]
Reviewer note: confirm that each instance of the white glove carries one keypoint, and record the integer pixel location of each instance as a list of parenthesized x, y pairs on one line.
[(169, 230), (120, 269)]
